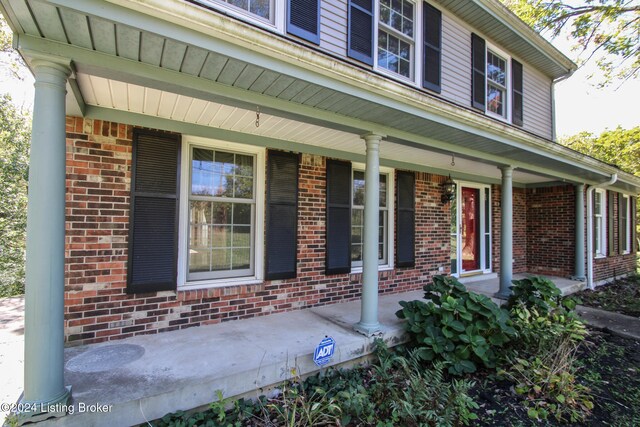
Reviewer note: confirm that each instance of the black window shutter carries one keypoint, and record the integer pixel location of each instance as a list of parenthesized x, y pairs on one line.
[(517, 100), (303, 19), (406, 222), (360, 37), (622, 239), (478, 73), (282, 215), (632, 224), (338, 223), (153, 218), (432, 40), (610, 246)]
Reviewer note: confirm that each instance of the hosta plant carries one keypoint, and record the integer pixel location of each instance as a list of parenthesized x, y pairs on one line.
[(459, 328)]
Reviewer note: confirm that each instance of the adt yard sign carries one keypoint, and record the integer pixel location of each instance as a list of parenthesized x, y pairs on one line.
[(324, 351)]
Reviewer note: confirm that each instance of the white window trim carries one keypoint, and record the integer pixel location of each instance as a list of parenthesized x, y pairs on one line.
[(627, 230), (278, 8), (602, 237), (183, 230), (416, 68), (483, 232), (508, 95), (391, 191)]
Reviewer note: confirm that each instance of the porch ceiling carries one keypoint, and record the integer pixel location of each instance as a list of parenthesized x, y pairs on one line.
[(206, 64), (117, 95)]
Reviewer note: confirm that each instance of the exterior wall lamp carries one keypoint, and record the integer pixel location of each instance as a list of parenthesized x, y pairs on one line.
[(448, 190)]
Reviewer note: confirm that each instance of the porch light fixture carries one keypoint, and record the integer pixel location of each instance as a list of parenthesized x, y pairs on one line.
[(448, 190)]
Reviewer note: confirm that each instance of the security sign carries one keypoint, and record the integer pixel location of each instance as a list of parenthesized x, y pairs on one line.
[(324, 351)]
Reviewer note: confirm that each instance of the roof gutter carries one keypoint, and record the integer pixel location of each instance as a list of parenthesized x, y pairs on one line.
[(590, 254)]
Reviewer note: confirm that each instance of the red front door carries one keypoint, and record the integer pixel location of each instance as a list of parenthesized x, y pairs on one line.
[(470, 229)]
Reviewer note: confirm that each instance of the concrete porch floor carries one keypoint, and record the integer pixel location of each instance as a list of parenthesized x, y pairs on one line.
[(145, 377)]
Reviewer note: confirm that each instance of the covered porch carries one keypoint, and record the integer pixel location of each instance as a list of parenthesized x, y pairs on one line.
[(217, 79), (142, 378)]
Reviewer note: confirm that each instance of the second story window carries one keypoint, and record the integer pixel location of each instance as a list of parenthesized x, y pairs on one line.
[(496, 84), (259, 8), (396, 37)]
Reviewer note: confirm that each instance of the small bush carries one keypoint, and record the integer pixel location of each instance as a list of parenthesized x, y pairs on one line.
[(456, 327), (538, 292), (548, 383), (544, 370)]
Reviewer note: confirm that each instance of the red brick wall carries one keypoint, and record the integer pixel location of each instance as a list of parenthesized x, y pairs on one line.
[(551, 230), (613, 265), (97, 307)]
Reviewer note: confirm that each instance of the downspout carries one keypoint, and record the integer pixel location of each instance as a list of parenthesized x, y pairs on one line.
[(590, 255)]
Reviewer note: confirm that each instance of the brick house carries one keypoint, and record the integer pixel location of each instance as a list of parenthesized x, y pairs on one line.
[(203, 161)]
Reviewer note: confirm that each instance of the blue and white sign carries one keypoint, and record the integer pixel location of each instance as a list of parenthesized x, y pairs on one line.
[(324, 351)]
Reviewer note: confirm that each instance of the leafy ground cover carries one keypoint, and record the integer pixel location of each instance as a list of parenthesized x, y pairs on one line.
[(620, 296), (545, 368)]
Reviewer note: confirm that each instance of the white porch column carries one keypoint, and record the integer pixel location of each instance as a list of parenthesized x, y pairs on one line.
[(579, 249), (44, 294), (506, 233), (368, 324)]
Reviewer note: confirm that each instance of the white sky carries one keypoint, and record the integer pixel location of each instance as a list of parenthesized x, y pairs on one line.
[(580, 105)]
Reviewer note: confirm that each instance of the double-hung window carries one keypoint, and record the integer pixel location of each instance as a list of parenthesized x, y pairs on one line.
[(396, 42), (222, 206), (357, 217), (261, 12), (625, 224), (496, 84), (599, 222)]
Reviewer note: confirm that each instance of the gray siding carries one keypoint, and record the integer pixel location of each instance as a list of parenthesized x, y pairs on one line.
[(456, 61), (333, 26), (456, 64), (537, 102)]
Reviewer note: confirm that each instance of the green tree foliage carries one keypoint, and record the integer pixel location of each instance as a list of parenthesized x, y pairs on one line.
[(606, 31), (619, 147), (14, 160), (11, 63)]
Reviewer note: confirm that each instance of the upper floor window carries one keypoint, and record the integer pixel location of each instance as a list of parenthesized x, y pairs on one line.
[(496, 84), (265, 13), (396, 37), (260, 8)]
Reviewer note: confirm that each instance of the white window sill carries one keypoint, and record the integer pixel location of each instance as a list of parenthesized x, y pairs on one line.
[(219, 283), (358, 270), (600, 256)]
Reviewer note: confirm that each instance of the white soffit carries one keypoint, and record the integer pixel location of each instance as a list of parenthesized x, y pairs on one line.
[(118, 95)]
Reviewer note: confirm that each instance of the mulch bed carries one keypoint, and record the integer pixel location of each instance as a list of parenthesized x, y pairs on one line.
[(610, 367), (621, 296)]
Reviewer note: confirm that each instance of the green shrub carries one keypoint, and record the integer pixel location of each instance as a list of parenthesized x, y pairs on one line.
[(538, 292), (544, 370), (457, 327)]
